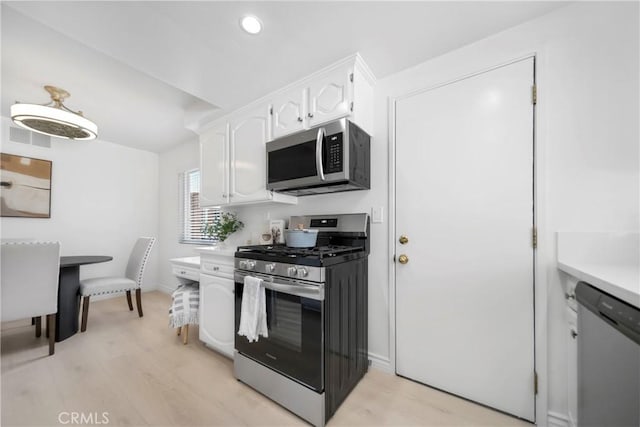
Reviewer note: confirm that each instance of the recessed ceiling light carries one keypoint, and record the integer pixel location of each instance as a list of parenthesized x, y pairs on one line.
[(251, 24)]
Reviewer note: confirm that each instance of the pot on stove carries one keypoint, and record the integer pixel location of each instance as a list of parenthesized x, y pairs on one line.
[(300, 238)]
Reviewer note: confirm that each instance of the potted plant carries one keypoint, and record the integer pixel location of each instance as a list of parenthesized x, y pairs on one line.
[(223, 227)]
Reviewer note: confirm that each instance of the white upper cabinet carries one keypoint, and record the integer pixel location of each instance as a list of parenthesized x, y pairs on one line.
[(344, 89), (288, 114), (329, 96), (232, 148), (248, 134), (233, 161), (214, 166)]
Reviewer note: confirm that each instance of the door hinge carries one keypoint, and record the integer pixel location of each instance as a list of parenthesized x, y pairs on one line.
[(394, 258), (351, 106), (535, 382), (351, 77), (534, 238), (534, 94)]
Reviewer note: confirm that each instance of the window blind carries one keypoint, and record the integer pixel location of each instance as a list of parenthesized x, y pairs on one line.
[(193, 217)]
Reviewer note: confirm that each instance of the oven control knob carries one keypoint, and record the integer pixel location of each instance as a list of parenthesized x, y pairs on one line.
[(270, 268), (251, 265), (292, 272), (242, 264), (303, 272)]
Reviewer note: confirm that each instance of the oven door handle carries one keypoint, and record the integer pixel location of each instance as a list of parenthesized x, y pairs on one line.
[(315, 292), (319, 142)]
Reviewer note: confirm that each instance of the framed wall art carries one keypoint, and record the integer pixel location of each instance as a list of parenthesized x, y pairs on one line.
[(25, 187)]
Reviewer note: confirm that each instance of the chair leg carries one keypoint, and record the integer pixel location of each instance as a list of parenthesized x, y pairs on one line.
[(85, 313), (38, 322), (51, 326), (178, 330), (129, 301), (139, 301), (185, 334)]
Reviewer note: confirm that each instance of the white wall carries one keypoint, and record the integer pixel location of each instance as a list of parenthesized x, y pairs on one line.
[(104, 196), (172, 163), (587, 136)]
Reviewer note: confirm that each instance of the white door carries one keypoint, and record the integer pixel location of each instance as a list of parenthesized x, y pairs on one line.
[(214, 167), (329, 97), (217, 305), (248, 136), (464, 200)]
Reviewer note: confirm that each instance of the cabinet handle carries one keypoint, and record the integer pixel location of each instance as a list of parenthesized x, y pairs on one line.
[(574, 334), (569, 296), (224, 195), (310, 115), (216, 268), (300, 119)]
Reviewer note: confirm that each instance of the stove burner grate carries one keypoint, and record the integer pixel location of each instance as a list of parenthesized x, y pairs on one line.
[(319, 252)]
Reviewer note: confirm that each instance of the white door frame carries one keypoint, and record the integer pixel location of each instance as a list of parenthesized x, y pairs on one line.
[(542, 253)]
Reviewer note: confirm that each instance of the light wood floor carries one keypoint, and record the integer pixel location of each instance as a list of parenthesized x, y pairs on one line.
[(138, 371)]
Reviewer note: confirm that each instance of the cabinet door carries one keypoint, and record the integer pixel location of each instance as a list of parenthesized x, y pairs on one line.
[(214, 167), (330, 97), (288, 113), (217, 313), (248, 135)]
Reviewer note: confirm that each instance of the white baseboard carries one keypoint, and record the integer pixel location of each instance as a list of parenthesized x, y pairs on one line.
[(555, 419), (380, 363)]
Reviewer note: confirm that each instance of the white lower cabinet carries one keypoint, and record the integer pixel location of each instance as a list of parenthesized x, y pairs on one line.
[(217, 303), (216, 313)]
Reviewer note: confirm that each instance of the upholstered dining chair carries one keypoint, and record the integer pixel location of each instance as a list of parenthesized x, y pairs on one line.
[(132, 280), (29, 272)]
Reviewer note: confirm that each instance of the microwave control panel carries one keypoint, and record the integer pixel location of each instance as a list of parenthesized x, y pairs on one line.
[(333, 153)]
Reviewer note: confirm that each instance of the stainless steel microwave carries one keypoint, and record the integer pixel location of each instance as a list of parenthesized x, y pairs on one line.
[(326, 159)]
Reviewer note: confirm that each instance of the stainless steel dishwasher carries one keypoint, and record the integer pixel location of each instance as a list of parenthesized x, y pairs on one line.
[(608, 360)]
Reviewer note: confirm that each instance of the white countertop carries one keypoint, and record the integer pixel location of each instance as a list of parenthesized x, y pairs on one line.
[(229, 251), (192, 261), (609, 261)]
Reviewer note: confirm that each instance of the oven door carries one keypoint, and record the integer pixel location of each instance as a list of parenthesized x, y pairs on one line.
[(295, 346)]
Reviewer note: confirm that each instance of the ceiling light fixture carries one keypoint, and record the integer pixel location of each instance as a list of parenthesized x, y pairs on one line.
[(54, 118), (251, 24)]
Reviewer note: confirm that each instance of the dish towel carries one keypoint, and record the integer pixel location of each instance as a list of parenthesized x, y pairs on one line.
[(184, 305), (253, 311)]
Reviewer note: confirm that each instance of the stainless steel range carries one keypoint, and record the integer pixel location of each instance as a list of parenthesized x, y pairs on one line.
[(316, 301)]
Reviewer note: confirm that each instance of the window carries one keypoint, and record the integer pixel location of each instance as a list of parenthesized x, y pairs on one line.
[(194, 218)]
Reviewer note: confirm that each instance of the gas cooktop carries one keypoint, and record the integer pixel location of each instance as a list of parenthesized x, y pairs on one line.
[(318, 256)]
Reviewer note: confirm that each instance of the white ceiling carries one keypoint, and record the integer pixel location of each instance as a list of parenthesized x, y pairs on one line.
[(139, 68)]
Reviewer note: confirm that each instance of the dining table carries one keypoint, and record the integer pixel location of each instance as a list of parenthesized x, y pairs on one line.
[(67, 318)]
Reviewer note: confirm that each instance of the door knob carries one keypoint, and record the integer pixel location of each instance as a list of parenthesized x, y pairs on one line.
[(403, 259), (403, 240)]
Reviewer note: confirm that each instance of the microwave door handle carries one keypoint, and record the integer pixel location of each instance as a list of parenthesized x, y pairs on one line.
[(319, 141)]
